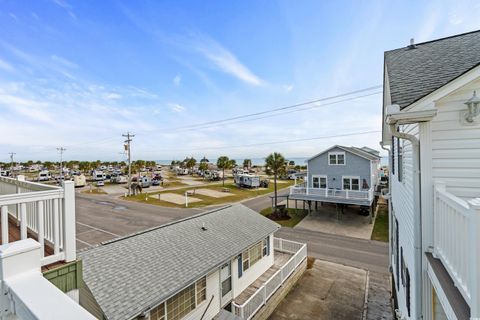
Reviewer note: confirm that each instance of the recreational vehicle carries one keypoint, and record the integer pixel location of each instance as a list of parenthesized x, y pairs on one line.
[(145, 182), (44, 175), (98, 175), (5, 173), (79, 181), (247, 180)]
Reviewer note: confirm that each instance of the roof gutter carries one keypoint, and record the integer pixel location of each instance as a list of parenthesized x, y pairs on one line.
[(395, 118)]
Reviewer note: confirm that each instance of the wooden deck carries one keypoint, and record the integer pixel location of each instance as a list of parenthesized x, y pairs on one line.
[(14, 235), (280, 259)]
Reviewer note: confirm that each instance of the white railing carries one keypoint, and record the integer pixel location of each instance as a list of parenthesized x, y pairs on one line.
[(333, 193), (250, 307), (47, 212), (457, 242)]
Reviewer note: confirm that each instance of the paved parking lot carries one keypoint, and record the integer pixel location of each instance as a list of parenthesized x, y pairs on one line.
[(102, 217)]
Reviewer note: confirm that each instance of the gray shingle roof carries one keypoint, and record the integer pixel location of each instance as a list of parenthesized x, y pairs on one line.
[(415, 73), (129, 275), (354, 150)]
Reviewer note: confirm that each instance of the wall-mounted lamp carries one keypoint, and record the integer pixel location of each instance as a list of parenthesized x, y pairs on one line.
[(473, 108)]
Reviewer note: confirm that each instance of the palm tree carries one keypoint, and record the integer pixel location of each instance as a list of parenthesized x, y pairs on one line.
[(275, 164), (223, 163), (191, 162), (247, 163)]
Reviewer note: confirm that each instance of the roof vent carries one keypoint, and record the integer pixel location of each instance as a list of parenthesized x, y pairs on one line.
[(203, 227), (412, 44)]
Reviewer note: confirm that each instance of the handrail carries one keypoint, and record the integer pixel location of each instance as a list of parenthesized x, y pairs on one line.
[(333, 193), (29, 185), (297, 258)]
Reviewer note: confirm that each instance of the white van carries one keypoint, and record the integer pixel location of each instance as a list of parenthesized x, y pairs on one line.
[(44, 175)]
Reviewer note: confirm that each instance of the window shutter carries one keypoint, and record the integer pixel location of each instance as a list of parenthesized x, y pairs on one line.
[(393, 155), (408, 291), (240, 270), (268, 245)]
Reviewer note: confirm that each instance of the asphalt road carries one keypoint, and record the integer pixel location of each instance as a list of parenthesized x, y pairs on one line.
[(263, 202)]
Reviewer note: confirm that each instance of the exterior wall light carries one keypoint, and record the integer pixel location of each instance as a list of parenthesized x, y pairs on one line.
[(473, 108)]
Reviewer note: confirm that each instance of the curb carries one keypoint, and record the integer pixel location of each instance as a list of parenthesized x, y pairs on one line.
[(365, 302)]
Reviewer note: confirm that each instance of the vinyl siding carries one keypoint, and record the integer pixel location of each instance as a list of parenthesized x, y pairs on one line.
[(456, 146), (403, 207)]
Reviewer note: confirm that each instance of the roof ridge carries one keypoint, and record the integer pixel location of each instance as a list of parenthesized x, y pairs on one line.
[(438, 39)]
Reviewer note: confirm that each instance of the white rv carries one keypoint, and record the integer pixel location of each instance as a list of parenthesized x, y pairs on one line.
[(247, 180), (98, 175), (79, 181), (44, 175)]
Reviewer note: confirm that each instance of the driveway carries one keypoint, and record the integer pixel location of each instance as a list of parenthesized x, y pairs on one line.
[(327, 219), (326, 291)]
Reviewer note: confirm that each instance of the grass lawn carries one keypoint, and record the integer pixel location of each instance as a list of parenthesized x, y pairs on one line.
[(236, 194), (380, 229), (294, 218)]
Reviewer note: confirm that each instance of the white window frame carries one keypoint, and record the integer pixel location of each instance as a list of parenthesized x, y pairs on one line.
[(350, 178), (319, 176), (336, 154)]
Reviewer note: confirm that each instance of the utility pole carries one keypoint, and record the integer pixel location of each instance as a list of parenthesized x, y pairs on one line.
[(129, 137), (61, 150), (11, 163)]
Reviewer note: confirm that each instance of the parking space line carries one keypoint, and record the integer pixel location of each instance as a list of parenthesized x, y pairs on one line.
[(98, 229)]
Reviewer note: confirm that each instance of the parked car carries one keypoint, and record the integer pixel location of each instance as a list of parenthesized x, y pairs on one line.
[(100, 183)]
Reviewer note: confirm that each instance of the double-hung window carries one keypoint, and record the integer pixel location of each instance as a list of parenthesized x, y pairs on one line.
[(336, 158), (319, 182), (351, 183)]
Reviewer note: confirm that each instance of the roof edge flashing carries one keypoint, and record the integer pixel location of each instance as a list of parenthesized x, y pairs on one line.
[(395, 116)]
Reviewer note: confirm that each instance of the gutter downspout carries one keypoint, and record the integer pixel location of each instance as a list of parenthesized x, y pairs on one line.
[(417, 224)]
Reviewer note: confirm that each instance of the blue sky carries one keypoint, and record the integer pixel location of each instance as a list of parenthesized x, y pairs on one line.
[(80, 73)]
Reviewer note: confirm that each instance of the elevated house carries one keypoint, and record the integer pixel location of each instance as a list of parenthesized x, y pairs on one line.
[(40, 274), (223, 264), (341, 175), (431, 127)]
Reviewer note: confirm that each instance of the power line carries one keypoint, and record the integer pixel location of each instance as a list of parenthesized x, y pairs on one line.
[(274, 142)]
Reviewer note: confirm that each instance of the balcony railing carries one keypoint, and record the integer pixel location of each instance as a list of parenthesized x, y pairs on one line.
[(45, 212), (333, 193), (250, 307), (457, 242)]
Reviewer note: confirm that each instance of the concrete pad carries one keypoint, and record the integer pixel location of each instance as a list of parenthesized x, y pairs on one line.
[(351, 223), (327, 291), (175, 198), (212, 193)]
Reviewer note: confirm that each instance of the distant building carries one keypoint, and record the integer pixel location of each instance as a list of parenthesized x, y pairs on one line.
[(340, 174), (431, 123), (223, 264)]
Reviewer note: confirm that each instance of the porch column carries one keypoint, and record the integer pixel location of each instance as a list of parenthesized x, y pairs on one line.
[(371, 213), (475, 258)]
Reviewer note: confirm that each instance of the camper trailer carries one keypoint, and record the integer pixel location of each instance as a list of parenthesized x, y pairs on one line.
[(5, 173), (79, 181), (144, 182), (44, 175), (247, 180), (98, 175)]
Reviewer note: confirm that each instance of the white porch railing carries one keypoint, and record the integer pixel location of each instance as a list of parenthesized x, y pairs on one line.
[(250, 307), (46, 211), (333, 193), (457, 242)]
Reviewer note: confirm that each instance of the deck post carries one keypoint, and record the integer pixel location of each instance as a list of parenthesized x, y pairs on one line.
[(295, 206), (4, 224), (69, 236), (475, 257), (371, 213), (303, 205)]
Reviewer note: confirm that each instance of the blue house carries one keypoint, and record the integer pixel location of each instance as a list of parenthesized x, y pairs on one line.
[(342, 175)]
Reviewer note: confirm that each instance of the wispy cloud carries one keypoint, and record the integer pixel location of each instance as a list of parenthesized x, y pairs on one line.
[(177, 80), (175, 107), (288, 87), (5, 65), (224, 60), (65, 5), (64, 62)]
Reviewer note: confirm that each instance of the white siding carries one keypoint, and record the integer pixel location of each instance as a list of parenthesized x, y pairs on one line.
[(250, 275), (455, 146), (403, 207)]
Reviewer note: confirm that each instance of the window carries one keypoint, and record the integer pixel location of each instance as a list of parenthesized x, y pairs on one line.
[(351, 183), (226, 279), (254, 254), (400, 160), (182, 303), (336, 158), (319, 182)]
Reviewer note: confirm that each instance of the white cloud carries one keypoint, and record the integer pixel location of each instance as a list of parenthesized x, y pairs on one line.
[(5, 65), (288, 87), (13, 16), (113, 96), (64, 62), (225, 60), (177, 80), (175, 107), (63, 4)]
